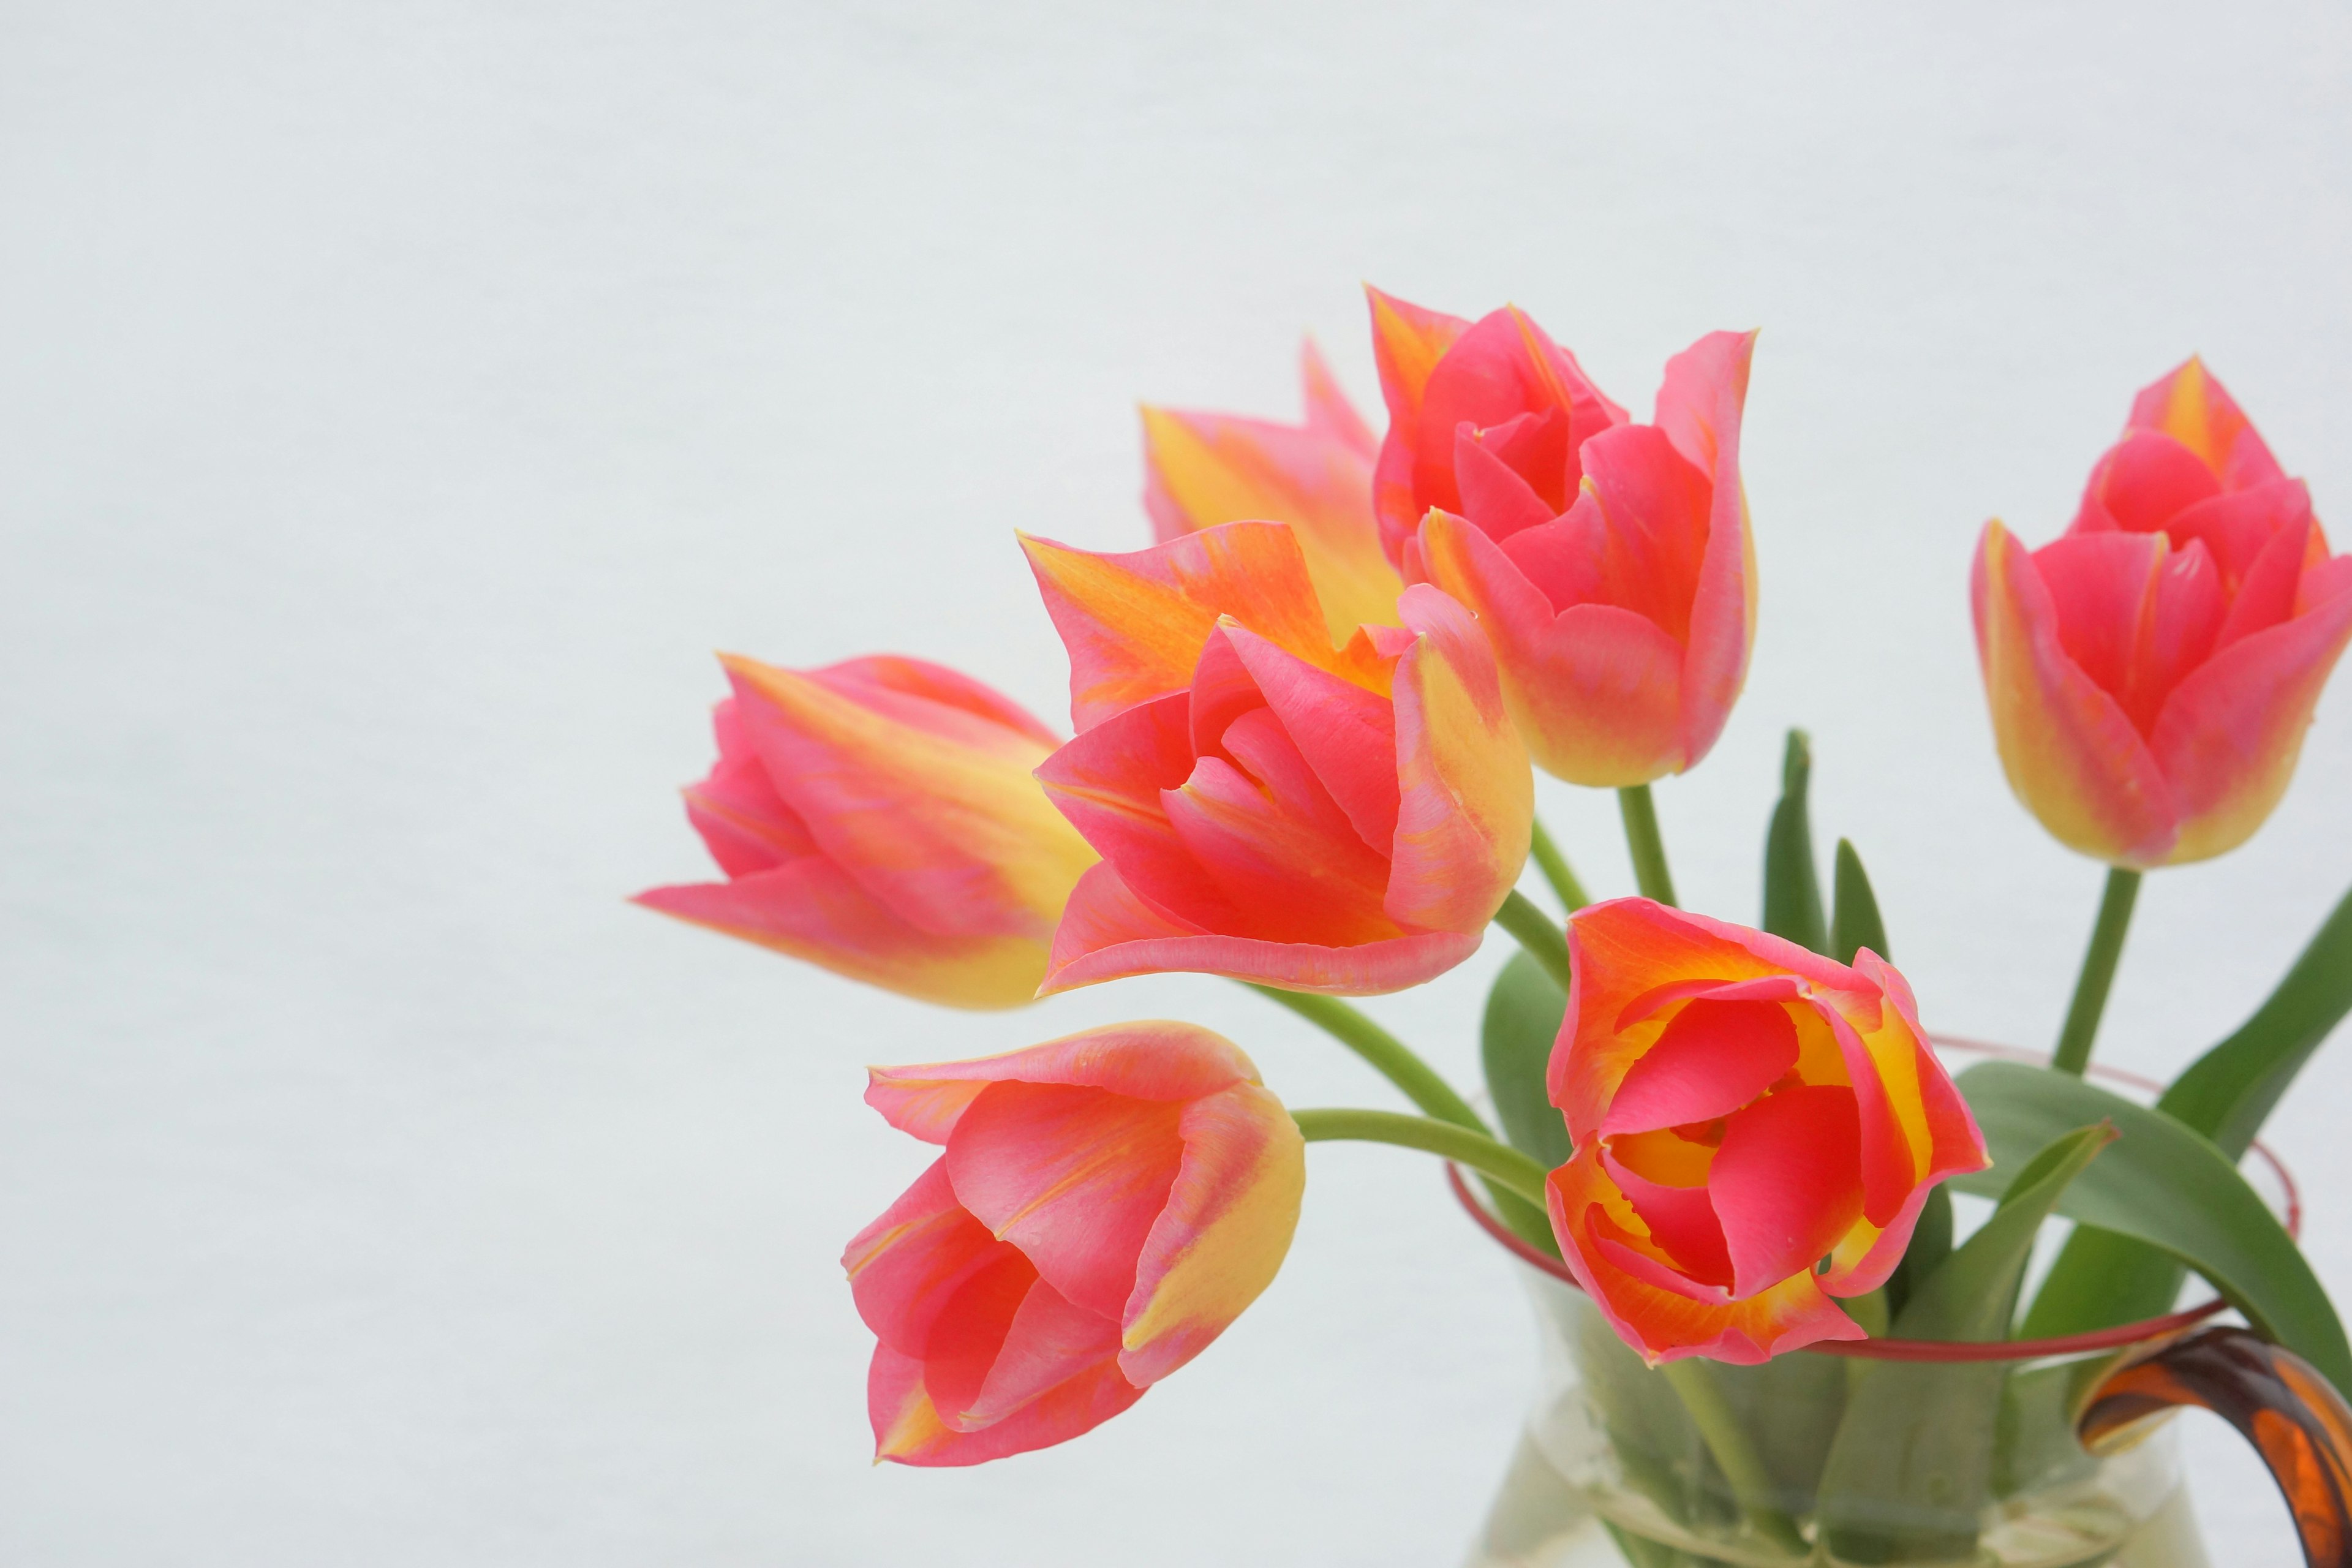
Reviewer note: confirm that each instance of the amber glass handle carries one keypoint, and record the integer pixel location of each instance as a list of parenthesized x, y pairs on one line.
[(2295, 1419)]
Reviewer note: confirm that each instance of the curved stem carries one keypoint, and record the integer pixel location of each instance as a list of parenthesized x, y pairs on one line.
[(1534, 930), (1505, 1165), (1641, 817), (2074, 1053), (1390, 1057), (1554, 866), (1751, 1484)]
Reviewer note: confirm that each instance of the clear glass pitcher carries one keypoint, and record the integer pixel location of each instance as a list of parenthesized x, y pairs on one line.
[(2018, 1454)]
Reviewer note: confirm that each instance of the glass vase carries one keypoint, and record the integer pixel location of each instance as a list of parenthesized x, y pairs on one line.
[(2011, 1454)]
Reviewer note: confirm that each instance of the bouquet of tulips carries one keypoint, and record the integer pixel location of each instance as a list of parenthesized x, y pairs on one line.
[(1306, 721)]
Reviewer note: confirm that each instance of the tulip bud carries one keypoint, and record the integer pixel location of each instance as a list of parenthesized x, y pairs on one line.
[(878, 817), (1609, 563), (2152, 672), (1103, 1206)]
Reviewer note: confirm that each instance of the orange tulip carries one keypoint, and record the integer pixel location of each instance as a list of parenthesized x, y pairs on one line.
[(1208, 469), (1743, 1110), (2152, 672), (878, 817), (1609, 563), (1103, 1206)]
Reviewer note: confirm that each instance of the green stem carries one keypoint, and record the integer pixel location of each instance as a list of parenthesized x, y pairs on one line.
[(1554, 866), (1535, 932), (1390, 1057), (1641, 815), (1505, 1165), (1396, 1061), (2074, 1053), (1694, 1383)]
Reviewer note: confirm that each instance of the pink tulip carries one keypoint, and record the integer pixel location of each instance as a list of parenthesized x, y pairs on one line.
[(1267, 807), (1742, 1110), (1104, 1205), (880, 817), (1208, 469), (2152, 672), (1609, 563)]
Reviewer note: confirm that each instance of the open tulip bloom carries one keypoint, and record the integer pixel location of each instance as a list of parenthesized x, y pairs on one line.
[(1306, 722)]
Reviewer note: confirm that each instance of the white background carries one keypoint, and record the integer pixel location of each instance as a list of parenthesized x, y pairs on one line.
[(397, 402)]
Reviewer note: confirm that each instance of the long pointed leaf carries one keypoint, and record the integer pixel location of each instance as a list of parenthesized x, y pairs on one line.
[(2228, 1092), (2100, 1278), (1792, 886), (2166, 1185), (1854, 923), (1931, 1243), (1911, 1469)]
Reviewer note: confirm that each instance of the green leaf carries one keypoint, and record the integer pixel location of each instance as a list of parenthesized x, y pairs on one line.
[(2165, 1185), (1523, 1018), (1911, 1469), (1855, 923), (2100, 1278), (1931, 1243), (1792, 888), (2227, 1092)]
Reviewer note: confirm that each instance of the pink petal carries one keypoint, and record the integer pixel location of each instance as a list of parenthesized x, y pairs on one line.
[(1700, 406), (1714, 1057), (2145, 479), (1291, 869), (930, 809), (1466, 795), (1501, 368), (813, 911), (1629, 957), (1567, 559), (1890, 1166), (969, 1332), (1784, 1182), (1134, 624), (934, 699), (1073, 1177), (1681, 1219), (743, 822), (2099, 585), (1110, 942), (1596, 690), (908, 1266), (1155, 1060), (1050, 1342), (1407, 344), (1347, 734), (1654, 508), (2237, 526), (2266, 592), (2230, 734), (1665, 1318), (744, 834), (908, 1429), (2194, 408), (1111, 784), (1601, 698), (1223, 1234), (1510, 477), (2071, 752)]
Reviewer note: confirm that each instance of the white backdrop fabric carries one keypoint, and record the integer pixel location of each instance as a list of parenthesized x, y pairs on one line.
[(398, 405)]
